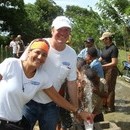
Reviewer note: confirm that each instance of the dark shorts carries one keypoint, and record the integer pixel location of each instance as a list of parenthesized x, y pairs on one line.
[(20, 125)]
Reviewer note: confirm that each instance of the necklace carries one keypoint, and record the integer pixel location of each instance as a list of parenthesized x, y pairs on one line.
[(28, 75)]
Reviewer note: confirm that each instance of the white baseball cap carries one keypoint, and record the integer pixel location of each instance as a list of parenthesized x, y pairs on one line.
[(61, 21)]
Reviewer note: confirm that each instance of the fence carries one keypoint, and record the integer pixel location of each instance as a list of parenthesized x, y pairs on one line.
[(4, 52)]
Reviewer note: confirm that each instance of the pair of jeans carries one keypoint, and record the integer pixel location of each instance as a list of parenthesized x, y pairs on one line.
[(47, 115)]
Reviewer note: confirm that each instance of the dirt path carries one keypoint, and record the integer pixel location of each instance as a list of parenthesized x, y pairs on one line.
[(122, 114)]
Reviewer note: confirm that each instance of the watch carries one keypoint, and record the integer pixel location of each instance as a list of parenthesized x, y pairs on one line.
[(78, 111)]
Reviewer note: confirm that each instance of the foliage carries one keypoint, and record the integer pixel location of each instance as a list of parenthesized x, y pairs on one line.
[(85, 24), (12, 15), (31, 21), (4, 40), (48, 10), (34, 20), (115, 18)]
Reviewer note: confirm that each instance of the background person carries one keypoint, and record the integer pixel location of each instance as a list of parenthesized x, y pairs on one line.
[(60, 65), (109, 59), (21, 46), (89, 42), (14, 46), (92, 60)]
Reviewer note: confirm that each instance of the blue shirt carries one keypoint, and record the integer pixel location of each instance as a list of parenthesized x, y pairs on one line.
[(83, 53), (97, 66)]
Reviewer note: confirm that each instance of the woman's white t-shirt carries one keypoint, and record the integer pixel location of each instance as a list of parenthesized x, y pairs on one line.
[(16, 89)]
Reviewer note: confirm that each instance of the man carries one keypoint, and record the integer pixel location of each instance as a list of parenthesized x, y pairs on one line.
[(60, 65), (89, 42), (21, 46), (109, 59)]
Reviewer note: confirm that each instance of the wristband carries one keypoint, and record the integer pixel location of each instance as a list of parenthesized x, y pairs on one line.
[(78, 111)]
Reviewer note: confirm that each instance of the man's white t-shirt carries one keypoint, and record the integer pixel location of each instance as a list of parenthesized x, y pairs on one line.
[(59, 65), (16, 89)]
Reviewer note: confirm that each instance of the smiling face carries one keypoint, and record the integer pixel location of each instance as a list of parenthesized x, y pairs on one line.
[(36, 57), (61, 35)]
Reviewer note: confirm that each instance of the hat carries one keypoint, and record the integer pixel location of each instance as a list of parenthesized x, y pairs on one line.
[(89, 40), (106, 34), (92, 51), (61, 21)]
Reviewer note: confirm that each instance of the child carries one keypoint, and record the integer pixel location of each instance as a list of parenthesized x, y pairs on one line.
[(99, 91), (92, 60)]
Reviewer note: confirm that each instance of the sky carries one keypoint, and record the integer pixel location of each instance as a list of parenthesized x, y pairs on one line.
[(63, 3)]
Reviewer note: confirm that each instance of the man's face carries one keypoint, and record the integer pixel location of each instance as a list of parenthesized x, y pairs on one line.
[(61, 35), (88, 44)]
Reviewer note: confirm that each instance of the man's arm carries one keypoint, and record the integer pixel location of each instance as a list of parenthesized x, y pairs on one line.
[(72, 90)]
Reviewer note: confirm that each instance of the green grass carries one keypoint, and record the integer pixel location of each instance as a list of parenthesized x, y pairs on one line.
[(123, 56)]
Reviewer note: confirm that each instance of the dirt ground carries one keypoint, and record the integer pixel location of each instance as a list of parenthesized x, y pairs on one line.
[(121, 116)]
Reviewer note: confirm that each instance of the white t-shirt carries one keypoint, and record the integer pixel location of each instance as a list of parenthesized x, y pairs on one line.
[(16, 89), (59, 65)]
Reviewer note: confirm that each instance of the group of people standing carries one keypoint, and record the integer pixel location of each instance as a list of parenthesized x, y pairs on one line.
[(100, 68), (17, 46), (107, 68), (30, 85)]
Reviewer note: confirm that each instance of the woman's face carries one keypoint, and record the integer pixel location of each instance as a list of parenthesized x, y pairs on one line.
[(37, 57), (106, 41)]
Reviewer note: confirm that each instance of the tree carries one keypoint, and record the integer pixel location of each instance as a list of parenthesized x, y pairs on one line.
[(85, 23), (48, 11), (12, 15), (115, 18), (39, 18)]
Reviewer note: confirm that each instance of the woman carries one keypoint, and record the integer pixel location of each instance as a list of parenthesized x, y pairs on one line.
[(19, 82), (109, 59)]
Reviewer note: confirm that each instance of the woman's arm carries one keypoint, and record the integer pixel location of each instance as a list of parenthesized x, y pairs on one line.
[(113, 62), (58, 99)]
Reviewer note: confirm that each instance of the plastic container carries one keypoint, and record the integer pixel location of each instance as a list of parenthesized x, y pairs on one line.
[(88, 125)]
